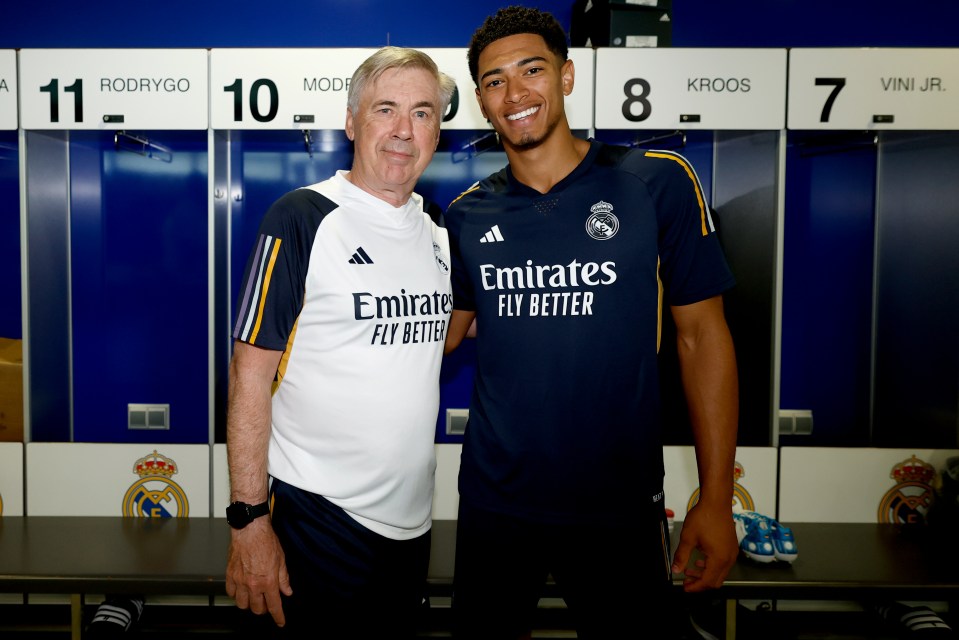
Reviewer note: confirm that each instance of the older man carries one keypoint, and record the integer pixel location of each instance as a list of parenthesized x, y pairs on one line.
[(334, 382)]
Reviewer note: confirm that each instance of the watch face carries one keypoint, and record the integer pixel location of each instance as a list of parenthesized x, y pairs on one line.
[(238, 515)]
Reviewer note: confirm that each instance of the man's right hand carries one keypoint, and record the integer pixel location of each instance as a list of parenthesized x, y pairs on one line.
[(256, 570)]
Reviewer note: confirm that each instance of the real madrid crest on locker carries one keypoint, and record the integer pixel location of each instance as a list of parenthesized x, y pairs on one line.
[(155, 494), (909, 500)]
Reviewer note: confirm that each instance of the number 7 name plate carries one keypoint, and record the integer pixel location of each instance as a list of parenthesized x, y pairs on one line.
[(857, 89), (645, 88), (113, 89)]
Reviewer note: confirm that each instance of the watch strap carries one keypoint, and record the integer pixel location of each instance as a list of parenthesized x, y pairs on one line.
[(257, 510)]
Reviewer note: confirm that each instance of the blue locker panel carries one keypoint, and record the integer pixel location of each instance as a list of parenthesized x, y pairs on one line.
[(827, 285), (917, 306), (139, 286), (10, 288), (48, 317), (746, 199)]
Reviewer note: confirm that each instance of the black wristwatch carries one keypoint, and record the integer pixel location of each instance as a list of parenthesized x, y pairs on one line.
[(240, 514)]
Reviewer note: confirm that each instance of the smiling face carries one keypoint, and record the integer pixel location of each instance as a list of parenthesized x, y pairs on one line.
[(521, 88), (395, 131)]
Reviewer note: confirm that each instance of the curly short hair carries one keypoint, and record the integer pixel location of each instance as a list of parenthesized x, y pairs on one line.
[(510, 21)]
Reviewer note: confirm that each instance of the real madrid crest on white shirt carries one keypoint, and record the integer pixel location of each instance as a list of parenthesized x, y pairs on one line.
[(155, 494)]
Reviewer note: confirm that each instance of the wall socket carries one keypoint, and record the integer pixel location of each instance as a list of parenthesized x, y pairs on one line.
[(148, 416), (456, 420), (795, 422)]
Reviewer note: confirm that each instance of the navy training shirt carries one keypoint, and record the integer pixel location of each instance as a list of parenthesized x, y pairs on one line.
[(564, 421)]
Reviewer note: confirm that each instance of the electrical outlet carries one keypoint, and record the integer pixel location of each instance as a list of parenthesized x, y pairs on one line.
[(795, 422), (456, 420), (148, 416)]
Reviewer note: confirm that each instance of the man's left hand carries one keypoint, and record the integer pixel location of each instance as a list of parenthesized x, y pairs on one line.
[(711, 532)]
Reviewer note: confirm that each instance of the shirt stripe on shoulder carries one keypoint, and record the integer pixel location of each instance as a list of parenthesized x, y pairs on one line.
[(258, 283), (468, 191), (705, 217)]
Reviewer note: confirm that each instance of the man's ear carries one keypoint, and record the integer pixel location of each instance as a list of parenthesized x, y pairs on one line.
[(349, 124), (479, 101), (568, 73)]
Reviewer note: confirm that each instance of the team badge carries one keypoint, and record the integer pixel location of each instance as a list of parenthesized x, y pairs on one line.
[(602, 224), (908, 501), (155, 495), (741, 497), (442, 261)]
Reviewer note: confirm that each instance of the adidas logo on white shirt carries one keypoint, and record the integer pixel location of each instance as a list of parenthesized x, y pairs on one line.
[(361, 257), (493, 235)]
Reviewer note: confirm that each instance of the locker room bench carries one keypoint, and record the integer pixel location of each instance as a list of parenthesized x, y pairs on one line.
[(187, 556), (837, 561), (851, 562), (97, 555)]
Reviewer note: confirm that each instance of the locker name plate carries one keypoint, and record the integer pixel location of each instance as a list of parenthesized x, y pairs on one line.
[(150, 88), (862, 89), (276, 88), (648, 88)]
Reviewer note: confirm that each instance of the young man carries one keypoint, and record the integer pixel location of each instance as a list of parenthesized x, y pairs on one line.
[(334, 382), (565, 258)]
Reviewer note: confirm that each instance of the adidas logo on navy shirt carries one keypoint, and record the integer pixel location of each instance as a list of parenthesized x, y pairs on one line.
[(493, 235)]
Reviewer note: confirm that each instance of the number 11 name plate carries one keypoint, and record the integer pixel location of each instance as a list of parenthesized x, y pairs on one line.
[(857, 89), (645, 88), (113, 89)]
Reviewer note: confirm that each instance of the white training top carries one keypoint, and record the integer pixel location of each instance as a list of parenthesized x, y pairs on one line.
[(357, 294)]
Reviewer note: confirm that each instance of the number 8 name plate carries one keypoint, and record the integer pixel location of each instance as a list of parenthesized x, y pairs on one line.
[(857, 89), (690, 88), (113, 89)]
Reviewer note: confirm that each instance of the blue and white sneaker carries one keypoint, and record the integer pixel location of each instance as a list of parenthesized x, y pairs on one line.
[(755, 539), (784, 544)]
